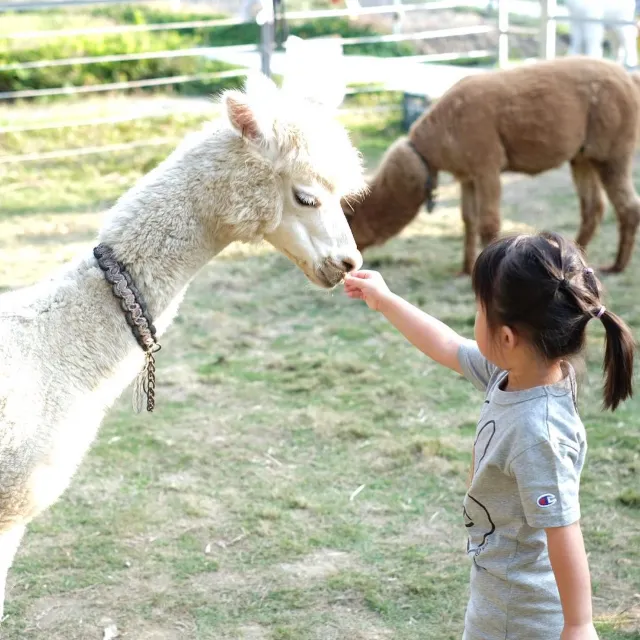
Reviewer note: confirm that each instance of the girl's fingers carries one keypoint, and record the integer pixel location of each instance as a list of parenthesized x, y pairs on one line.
[(362, 275), (354, 285)]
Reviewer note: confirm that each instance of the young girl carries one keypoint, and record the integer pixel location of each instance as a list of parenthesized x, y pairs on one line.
[(535, 297)]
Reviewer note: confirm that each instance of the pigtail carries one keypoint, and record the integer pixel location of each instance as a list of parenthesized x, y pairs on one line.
[(618, 359)]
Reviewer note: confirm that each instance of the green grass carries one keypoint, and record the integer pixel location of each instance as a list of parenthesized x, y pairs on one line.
[(228, 512)]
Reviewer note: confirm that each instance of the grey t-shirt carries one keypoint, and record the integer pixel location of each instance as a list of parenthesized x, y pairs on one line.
[(528, 455)]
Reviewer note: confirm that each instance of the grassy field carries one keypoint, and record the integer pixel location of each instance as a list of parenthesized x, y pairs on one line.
[(302, 476)]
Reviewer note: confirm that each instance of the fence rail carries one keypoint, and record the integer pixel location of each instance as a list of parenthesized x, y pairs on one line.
[(550, 15), (122, 28), (435, 5), (6, 7), (124, 57), (115, 86)]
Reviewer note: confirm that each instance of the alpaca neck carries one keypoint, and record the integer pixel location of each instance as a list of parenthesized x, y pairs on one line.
[(395, 196), (164, 229)]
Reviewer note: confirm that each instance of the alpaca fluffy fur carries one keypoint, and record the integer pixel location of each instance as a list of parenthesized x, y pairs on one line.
[(66, 351), (527, 120)]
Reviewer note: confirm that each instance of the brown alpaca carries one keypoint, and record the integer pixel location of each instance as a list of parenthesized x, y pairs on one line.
[(526, 120)]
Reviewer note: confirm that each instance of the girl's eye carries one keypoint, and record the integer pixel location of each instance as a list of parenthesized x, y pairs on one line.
[(305, 200)]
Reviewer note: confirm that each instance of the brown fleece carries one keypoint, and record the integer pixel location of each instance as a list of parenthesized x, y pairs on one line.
[(526, 120)]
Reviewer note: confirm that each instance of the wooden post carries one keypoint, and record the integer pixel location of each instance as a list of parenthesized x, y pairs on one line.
[(503, 35), (548, 29)]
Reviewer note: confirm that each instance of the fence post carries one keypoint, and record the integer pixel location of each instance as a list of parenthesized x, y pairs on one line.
[(503, 35), (398, 18), (267, 35), (548, 9)]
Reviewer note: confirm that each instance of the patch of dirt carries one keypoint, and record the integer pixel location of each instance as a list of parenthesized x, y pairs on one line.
[(318, 565), (252, 632), (217, 581), (445, 539), (49, 612), (159, 633), (351, 623)]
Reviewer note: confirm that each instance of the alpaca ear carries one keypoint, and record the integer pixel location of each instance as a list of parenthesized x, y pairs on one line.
[(249, 121)]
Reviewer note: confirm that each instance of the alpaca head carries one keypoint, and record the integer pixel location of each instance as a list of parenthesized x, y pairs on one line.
[(394, 197), (298, 162)]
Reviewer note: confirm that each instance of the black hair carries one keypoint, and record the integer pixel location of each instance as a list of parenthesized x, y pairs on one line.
[(540, 286)]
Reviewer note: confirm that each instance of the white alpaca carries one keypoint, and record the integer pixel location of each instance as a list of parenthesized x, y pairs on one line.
[(275, 169), (587, 37)]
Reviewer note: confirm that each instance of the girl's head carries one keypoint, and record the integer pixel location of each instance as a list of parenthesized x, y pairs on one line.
[(536, 294)]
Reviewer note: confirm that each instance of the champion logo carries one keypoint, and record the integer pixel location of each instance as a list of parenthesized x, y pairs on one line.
[(546, 500)]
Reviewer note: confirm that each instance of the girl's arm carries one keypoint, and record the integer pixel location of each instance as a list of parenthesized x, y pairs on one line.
[(434, 338), (571, 570)]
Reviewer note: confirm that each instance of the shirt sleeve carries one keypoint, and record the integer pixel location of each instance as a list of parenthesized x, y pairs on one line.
[(548, 478), (475, 367)]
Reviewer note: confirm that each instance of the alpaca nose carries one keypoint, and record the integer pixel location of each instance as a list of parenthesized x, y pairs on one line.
[(351, 263)]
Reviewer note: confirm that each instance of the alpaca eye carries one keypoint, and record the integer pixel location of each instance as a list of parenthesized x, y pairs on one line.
[(305, 200)]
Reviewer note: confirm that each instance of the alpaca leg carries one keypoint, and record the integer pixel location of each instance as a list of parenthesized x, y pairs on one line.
[(9, 543), (470, 221), (576, 41), (593, 37), (629, 38), (488, 190), (587, 183), (489, 227), (618, 183)]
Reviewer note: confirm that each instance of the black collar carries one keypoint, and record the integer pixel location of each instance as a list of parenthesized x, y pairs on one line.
[(138, 318), (430, 184)]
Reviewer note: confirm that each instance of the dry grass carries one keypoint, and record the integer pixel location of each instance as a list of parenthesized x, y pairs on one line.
[(234, 510)]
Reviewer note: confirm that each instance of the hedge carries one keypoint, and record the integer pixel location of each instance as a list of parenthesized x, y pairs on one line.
[(110, 44)]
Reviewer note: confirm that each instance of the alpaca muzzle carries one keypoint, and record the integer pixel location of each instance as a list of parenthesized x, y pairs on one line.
[(332, 271)]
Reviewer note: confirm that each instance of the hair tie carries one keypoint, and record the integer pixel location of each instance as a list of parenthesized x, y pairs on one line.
[(600, 312)]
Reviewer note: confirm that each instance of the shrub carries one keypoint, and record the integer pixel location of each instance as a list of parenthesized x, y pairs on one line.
[(111, 44)]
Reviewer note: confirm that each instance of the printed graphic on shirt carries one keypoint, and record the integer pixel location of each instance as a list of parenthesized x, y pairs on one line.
[(478, 519), (476, 515), (546, 500), (482, 443)]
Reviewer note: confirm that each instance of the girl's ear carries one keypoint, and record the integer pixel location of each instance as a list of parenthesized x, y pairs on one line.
[(508, 337)]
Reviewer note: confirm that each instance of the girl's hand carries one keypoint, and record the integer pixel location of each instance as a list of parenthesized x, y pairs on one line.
[(579, 632), (368, 286)]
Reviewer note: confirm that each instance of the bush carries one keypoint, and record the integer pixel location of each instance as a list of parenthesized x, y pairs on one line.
[(111, 44), (250, 33)]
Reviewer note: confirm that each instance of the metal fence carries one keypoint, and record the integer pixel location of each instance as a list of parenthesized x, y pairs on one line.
[(500, 26)]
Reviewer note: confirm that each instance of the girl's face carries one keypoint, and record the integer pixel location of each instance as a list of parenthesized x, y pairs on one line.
[(482, 333)]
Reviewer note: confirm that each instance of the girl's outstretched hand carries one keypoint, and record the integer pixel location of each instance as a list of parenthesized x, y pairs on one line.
[(368, 286)]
